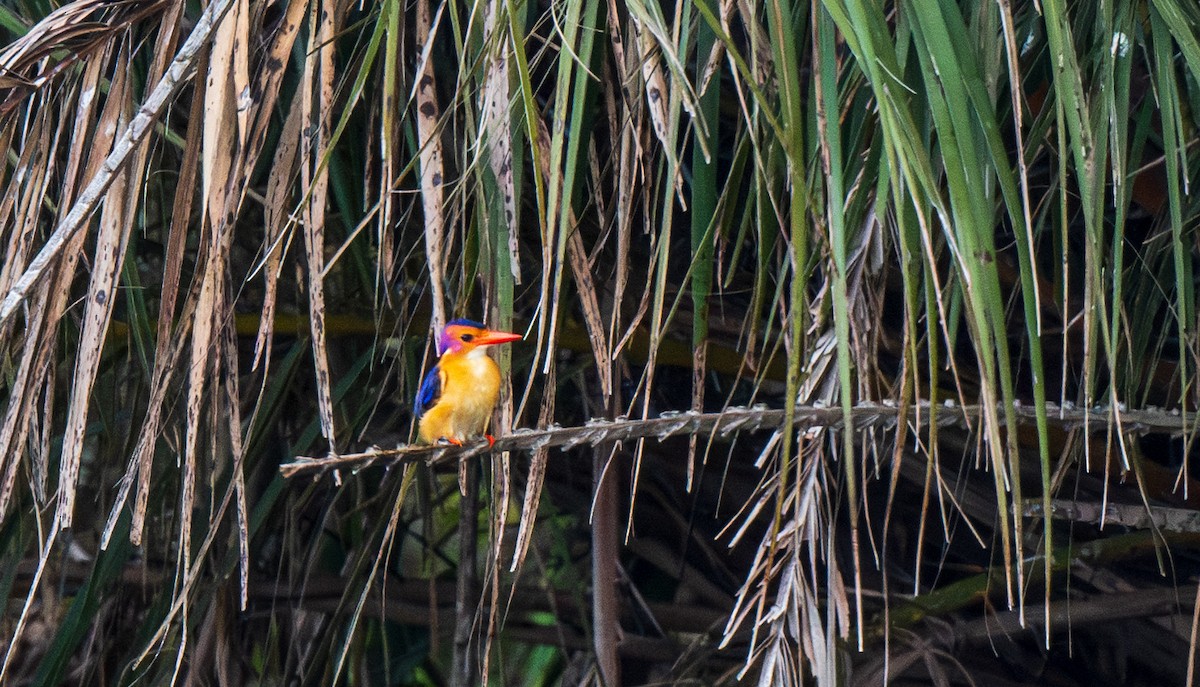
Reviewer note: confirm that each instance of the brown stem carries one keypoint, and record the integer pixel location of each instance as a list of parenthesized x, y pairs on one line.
[(606, 626), (466, 598)]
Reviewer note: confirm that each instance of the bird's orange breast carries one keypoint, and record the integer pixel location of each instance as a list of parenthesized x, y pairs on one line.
[(470, 388)]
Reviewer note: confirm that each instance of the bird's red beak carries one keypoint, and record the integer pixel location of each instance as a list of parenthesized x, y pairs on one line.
[(491, 338)]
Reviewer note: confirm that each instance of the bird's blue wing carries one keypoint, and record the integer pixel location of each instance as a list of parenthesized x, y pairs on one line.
[(430, 391)]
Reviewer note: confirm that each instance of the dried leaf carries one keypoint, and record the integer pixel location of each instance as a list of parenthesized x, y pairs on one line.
[(111, 242), (99, 183), (429, 145), (314, 176)]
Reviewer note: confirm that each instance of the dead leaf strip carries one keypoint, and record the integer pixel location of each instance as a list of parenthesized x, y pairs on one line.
[(498, 131), (430, 153), (177, 75), (112, 241), (722, 424), (317, 104), (68, 35)]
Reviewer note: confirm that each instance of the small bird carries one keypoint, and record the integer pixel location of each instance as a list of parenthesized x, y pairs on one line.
[(456, 399)]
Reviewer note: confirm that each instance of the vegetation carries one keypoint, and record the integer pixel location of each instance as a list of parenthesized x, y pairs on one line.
[(861, 341)]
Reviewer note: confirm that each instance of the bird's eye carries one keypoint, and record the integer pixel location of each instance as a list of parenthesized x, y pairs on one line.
[(467, 337)]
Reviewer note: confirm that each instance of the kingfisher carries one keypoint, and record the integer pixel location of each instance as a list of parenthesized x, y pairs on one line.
[(457, 398)]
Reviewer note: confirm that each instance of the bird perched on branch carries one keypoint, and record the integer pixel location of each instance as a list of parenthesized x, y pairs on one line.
[(457, 398)]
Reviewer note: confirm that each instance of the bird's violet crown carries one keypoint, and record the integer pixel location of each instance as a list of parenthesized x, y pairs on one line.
[(450, 333)]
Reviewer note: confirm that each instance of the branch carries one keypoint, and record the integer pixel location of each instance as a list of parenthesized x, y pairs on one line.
[(979, 588), (721, 425), (1138, 516), (1076, 613)]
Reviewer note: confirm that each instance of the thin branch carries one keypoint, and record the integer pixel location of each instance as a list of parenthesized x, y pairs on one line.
[(408, 602), (1102, 608), (1138, 516), (725, 423)]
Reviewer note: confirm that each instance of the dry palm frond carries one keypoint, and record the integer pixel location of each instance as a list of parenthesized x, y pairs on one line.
[(842, 211)]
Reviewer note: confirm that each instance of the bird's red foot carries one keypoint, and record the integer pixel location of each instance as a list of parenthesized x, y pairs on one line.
[(447, 440), (491, 440)]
